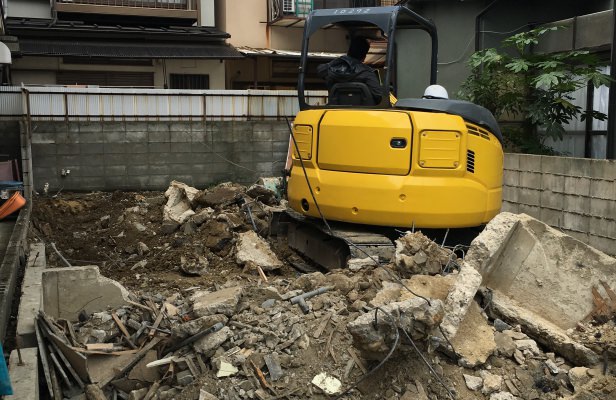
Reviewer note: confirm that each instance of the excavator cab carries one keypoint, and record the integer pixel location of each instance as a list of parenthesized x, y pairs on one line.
[(415, 162)]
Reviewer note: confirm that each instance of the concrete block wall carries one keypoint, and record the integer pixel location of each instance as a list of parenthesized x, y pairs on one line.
[(576, 195), (148, 155)]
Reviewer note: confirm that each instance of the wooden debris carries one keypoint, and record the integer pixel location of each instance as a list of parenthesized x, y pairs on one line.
[(358, 361), (260, 375), (349, 368), (99, 346), (604, 308), (319, 331), (159, 318), (93, 392), (261, 273), (142, 352)]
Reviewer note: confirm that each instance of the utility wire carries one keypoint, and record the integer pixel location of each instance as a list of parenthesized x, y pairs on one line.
[(331, 232), (384, 360), (438, 378), (390, 273)]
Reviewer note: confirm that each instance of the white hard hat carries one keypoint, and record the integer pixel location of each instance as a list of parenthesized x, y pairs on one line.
[(435, 92)]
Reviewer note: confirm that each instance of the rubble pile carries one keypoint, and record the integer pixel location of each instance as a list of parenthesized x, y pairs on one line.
[(185, 229), (216, 311)]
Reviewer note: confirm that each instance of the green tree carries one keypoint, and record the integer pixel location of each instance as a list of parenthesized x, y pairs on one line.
[(536, 88)]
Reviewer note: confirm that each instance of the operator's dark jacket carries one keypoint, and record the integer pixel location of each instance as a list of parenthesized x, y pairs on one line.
[(348, 69)]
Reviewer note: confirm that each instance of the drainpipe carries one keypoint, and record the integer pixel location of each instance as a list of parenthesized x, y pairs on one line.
[(611, 110), (478, 21)]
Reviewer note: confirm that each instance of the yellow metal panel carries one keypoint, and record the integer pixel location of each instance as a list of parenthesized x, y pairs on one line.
[(361, 141), (421, 198), (303, 136), (439, 149)]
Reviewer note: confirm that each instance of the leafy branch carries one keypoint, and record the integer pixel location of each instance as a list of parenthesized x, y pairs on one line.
[(536, 88)]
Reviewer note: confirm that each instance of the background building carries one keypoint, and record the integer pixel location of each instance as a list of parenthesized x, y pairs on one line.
[(135, 43)]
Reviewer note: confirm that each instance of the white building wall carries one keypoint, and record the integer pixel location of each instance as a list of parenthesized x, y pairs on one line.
[(28, 8)]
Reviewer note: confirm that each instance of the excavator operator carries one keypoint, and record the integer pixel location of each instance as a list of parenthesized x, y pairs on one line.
[(351, 69)]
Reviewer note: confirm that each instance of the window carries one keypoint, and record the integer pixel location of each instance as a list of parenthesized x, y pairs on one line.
[(106, 78), (189, 81)]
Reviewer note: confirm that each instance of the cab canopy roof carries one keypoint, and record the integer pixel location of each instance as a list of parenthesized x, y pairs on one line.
[(386, 18)]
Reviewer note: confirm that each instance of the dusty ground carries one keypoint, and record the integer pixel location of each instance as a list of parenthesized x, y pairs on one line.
[(120, 231)]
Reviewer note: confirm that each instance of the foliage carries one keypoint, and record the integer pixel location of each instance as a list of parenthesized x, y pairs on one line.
[(536, 88)]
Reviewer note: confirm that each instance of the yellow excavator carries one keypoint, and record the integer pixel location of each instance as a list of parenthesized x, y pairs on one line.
[(358, 166)]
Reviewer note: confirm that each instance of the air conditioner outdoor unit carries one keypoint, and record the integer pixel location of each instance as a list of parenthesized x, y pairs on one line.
[(288, 6)]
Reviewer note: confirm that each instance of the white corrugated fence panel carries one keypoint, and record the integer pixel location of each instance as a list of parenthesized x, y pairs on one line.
[(158, 104)]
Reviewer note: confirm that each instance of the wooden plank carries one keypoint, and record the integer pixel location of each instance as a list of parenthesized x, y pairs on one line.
[(99, 346), (359, 363), (159, 318), (123, 330), (609, 292), (324, 321), (43, 354)]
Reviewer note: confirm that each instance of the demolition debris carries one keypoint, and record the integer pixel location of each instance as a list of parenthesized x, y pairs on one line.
[(186, 296)]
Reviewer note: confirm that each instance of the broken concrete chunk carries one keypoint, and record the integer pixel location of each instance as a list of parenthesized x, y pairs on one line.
[(202, 216), (528, 344), (541, 330), (208, 344), (194, 267), (142, 248), (524, 251), (273, 366), (195, 326), (178, 207), (138, 394), (140, 371), (357, 264), (551, 365), (219, 236), (224, 368), (67, 291), (474, 341), (432, 286), (389, 293), (139, 227), (501, 325), (220, 302), (416, 316), (219, 196), (189, 191), (251, 248), (491, 383), (341, 282), (184, 378), (460, 298), (503, 396), (579, 377), (505, 345), (205, 395), (473, 382), (417, 254), (327, 383), (263, 194)]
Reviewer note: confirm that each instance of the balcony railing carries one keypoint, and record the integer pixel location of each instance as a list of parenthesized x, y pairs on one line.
[(299, 9), (148, 8), (165, 4)]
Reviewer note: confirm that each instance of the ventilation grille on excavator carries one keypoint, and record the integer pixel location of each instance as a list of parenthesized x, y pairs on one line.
[(477, 131), (470, 161)]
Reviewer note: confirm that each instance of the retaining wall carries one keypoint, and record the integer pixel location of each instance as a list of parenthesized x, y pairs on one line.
[(576, 195), (148, 155)]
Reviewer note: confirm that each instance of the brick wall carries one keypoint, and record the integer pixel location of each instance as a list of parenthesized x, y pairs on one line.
[(148, 155), (576, 195)]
